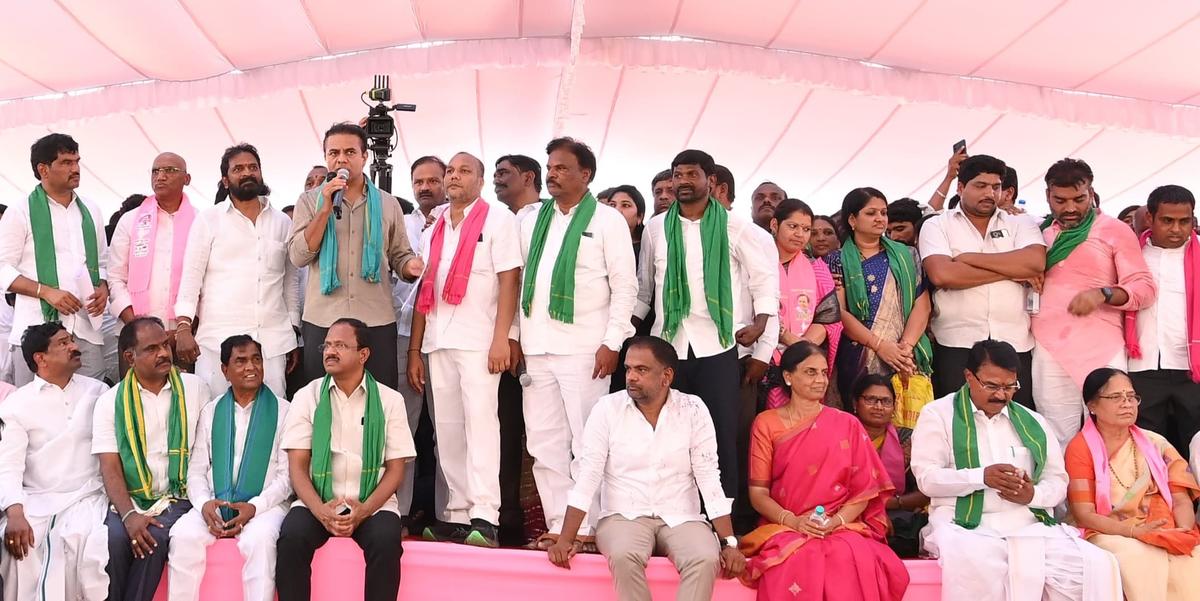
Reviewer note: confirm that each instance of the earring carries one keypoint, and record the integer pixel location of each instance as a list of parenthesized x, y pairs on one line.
[(787, 383)]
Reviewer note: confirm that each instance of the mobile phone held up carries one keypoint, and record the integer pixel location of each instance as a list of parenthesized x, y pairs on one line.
[(960, 146)]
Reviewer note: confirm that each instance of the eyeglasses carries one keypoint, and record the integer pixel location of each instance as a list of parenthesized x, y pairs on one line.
[(993, 388), (884, 402), (337, 347), (157, 171), (1132, 398)]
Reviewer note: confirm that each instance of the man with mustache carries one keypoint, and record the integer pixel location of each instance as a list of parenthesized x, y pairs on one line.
[(353, 255), (50, 490), (1094, 272), (663, 191), (691, 257), (580, 286), (238, 249), (146, 254), (237, 479), (143, 430), (347, 443), (980, 256), (53, 256), (1162, 339), (466, 306), (518, 184), (763, 201)]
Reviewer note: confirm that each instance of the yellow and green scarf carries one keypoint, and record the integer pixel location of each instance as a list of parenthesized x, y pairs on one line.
[(130, 425)]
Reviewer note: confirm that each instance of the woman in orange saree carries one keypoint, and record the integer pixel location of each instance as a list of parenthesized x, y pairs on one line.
[(1131, 493), (804, 455)]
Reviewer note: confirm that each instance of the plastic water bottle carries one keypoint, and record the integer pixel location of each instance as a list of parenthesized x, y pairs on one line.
[(819, 517), (1033, 300)]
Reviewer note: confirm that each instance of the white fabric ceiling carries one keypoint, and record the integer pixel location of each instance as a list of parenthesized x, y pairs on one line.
[(818, 95)]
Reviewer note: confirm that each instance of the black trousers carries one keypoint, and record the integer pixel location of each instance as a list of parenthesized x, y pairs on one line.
[(512, 455), (949, 363), (716, 381), (301, 535), (745, 517), (1170, 405), (382, 363), (131, 579)]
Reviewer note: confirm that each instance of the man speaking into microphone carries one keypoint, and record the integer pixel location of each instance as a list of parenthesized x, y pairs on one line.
[(352, 234)]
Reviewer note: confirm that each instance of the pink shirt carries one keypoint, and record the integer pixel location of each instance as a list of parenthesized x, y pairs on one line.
[(1110, 257)]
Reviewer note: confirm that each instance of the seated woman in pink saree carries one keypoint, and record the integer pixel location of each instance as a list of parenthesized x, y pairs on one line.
[(804, 455)]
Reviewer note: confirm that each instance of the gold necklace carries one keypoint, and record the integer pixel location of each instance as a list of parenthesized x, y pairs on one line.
[(1137, 474)]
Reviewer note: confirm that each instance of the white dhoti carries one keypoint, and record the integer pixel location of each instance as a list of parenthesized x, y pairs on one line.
[(190, 540), (208, 368), (1058, 397), (1029, 564), (556, 406), (467, 427), (69, 557)]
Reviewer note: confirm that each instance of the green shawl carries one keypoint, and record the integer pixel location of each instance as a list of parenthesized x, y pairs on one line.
[(718, 287), (372, 441), (1067, 240), (256, 454), (562, 279), (43, 244), (904, 271)]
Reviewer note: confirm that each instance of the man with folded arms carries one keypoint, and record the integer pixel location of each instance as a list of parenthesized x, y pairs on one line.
[(50, 489), (142, 433), (238, 479), (347, 441)]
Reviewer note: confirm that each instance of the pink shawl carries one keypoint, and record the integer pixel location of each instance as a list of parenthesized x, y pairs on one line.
[(464, 257), (892, 455), (1191, 268), (1158, 467), (141, 252), (803, 283)]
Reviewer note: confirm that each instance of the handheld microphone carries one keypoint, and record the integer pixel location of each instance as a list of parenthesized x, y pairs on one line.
[(337, 196)]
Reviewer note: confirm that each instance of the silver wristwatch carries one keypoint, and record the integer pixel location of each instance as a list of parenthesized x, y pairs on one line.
[(730, 541)]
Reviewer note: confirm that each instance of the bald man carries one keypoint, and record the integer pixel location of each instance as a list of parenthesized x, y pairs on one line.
[(145, 259)]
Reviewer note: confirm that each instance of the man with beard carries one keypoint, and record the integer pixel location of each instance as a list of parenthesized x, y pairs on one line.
[(580, 286), (315, 177), (649, 449), (691, 257), (50, 490), (145, 257), (347, 443), (766, 197), (464, 321), (352, 254), (979, 257), (904, 221), (237, 479), (663, 190), (240, 247), (1094, 272), (53, 256), (1162, 339), (518, 184), (142, 435)]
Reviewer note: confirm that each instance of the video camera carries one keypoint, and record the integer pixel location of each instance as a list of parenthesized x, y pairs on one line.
[(381, 129)]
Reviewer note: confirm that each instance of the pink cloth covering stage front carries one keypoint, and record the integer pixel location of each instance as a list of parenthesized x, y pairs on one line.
[(448, 572)]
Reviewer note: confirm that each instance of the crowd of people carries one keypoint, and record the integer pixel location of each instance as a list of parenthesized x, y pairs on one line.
[(796, 400)]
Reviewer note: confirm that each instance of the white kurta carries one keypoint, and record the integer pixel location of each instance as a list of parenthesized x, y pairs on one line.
[(46, 466), (1010, 555)]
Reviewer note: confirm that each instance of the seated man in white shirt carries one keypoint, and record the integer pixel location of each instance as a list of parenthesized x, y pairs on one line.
[(347, 441), (142, 430), (994, 472), (652, 453), (50, 489), (238, 479)]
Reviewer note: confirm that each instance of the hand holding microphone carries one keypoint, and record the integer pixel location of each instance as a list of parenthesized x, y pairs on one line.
[(335, 189)]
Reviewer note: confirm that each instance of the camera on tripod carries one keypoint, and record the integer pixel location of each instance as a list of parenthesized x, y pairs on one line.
[(381, 128)]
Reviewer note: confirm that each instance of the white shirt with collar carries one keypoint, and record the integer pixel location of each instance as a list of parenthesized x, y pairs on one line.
[(469, 325), (46, 461), (277, 486), (642, 471), (997, 310), (17, 259), (346, 432), (698, 330), (404, 293), (606, 285), (765, 346), (119, 251), (1162, 327), (936, 474), (237, 278), (156, 409)]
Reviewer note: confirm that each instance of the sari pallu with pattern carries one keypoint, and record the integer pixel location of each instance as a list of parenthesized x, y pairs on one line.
[(829, 461)]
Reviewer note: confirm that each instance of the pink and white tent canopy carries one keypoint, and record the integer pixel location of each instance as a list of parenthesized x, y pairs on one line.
[(818, 95)]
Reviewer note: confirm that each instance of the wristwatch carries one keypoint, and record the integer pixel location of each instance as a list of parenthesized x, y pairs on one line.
[(730, 541), (1108, 294)]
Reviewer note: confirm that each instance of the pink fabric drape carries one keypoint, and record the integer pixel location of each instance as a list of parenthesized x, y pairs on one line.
[(1191, 269), (141, 252)]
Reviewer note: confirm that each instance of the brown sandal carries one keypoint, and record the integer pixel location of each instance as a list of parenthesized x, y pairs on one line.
[(543, 542)]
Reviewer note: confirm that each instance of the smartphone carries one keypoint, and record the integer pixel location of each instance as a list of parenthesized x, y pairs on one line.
[(960, 146)]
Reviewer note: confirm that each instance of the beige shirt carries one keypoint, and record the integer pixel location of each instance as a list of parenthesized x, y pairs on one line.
[(345, 440), (370, 302)]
